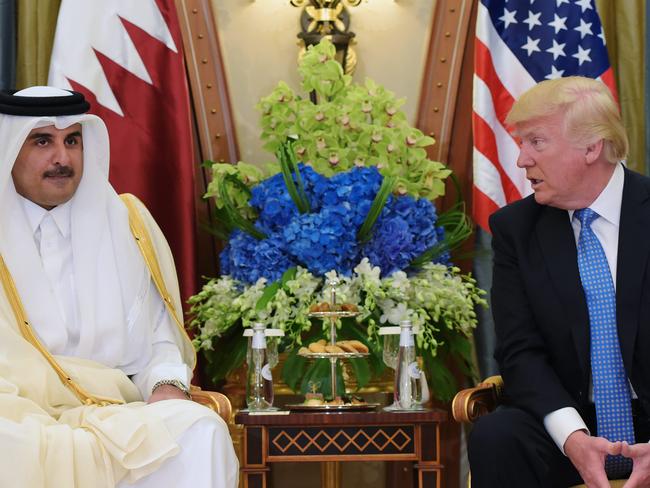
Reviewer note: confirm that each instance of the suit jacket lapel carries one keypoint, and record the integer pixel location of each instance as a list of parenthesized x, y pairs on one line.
[(558, 246), (633, 249)]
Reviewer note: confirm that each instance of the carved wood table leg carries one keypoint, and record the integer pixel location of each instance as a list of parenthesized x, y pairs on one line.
[(428, 470), (330, 474), (254, 470)]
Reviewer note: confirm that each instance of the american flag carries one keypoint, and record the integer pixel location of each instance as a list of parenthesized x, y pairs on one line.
[(518, 44)]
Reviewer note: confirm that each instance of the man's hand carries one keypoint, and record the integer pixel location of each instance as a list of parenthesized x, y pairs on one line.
[(640, 455), (167, 392), (588, 456)]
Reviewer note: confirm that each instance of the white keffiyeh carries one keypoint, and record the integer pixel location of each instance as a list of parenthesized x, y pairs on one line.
[(111, 279)]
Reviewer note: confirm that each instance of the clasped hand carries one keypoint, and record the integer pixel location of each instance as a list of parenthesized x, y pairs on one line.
[(588, 456)]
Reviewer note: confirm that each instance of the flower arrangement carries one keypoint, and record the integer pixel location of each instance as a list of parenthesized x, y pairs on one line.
[(351, 199)]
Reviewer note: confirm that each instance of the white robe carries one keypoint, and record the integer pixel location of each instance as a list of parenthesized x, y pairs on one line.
[(48, 437)]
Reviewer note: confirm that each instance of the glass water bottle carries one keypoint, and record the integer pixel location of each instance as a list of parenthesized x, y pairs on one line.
[(408, 380), (259, 387)]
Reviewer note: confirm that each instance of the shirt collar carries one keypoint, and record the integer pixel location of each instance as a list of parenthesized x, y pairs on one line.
[(608, 204), (60, 214)]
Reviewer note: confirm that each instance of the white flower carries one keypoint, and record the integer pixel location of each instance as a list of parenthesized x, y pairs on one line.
[(400, 280), (367, 272), (331, 276), (393, 313)]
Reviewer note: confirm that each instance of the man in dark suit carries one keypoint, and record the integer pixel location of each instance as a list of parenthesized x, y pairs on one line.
[(551, 308)]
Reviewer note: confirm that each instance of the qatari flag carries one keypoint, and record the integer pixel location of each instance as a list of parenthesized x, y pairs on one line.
[(126, 57)]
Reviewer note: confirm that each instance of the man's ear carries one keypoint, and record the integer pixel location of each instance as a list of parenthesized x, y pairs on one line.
[(594, 150)]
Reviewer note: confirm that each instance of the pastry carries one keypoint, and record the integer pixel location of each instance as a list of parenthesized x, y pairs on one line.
[(346, 346), (320, 307), (336, 401), (317, 347), (359, 346)]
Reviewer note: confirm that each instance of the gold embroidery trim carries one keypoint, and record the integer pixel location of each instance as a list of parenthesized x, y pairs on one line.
[(142, 238), (28, 334)]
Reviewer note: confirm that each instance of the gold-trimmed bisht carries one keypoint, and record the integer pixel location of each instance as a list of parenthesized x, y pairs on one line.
[(29, 335), (143, 240)]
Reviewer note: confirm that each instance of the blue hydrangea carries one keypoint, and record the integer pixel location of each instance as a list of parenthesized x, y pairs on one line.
[(248, 259), (224, 261), (405, 229), (325, 239), (274, 204), (354, 190)]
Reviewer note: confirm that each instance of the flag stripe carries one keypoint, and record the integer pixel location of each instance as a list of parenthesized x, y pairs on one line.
[(484, 68), (491, 178), (484, 206), (506, 148), (485, 144), (608, 78)]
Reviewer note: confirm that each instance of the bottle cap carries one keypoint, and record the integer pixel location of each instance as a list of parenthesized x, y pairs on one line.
[(406, 334), (248, 332), (259, 339), (390, 330)]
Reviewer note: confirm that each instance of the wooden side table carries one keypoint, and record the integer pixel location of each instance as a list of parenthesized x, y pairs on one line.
[(342, 436)]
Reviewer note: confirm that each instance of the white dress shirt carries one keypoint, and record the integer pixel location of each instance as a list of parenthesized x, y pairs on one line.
[(563, 422), (51, 230)]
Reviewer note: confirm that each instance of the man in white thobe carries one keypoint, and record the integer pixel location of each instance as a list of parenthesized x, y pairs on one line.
[(94, 364)]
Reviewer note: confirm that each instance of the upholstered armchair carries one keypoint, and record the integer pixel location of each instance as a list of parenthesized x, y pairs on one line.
[(214, 400), (470, 403)]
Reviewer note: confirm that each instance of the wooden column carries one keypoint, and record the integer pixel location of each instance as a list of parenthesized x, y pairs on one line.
[(214, 127), (445, 113)]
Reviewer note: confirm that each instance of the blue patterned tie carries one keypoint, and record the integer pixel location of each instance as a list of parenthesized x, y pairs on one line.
[(611, 388)]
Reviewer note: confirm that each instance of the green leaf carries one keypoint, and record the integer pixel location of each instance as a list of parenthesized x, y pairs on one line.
[(293, 166), (288, 275), (461, 351), (361, 370), (271, 289), (441, 380), (286, 159), (218, 231), (229, 354), (365, 231), (318, 373), (293, 370), (234, 216), (267, 295), (458, 227)]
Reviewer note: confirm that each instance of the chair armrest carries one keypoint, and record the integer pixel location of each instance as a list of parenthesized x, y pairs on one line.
[(213, 400), (471, 403)]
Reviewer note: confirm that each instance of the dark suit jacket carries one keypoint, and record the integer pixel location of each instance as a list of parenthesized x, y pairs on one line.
[(539, 307)]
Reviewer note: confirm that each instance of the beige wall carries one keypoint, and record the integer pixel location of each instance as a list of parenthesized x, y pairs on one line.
[(259, 45)]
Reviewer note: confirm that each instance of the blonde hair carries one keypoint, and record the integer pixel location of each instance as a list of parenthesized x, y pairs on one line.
[(590, 112)]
